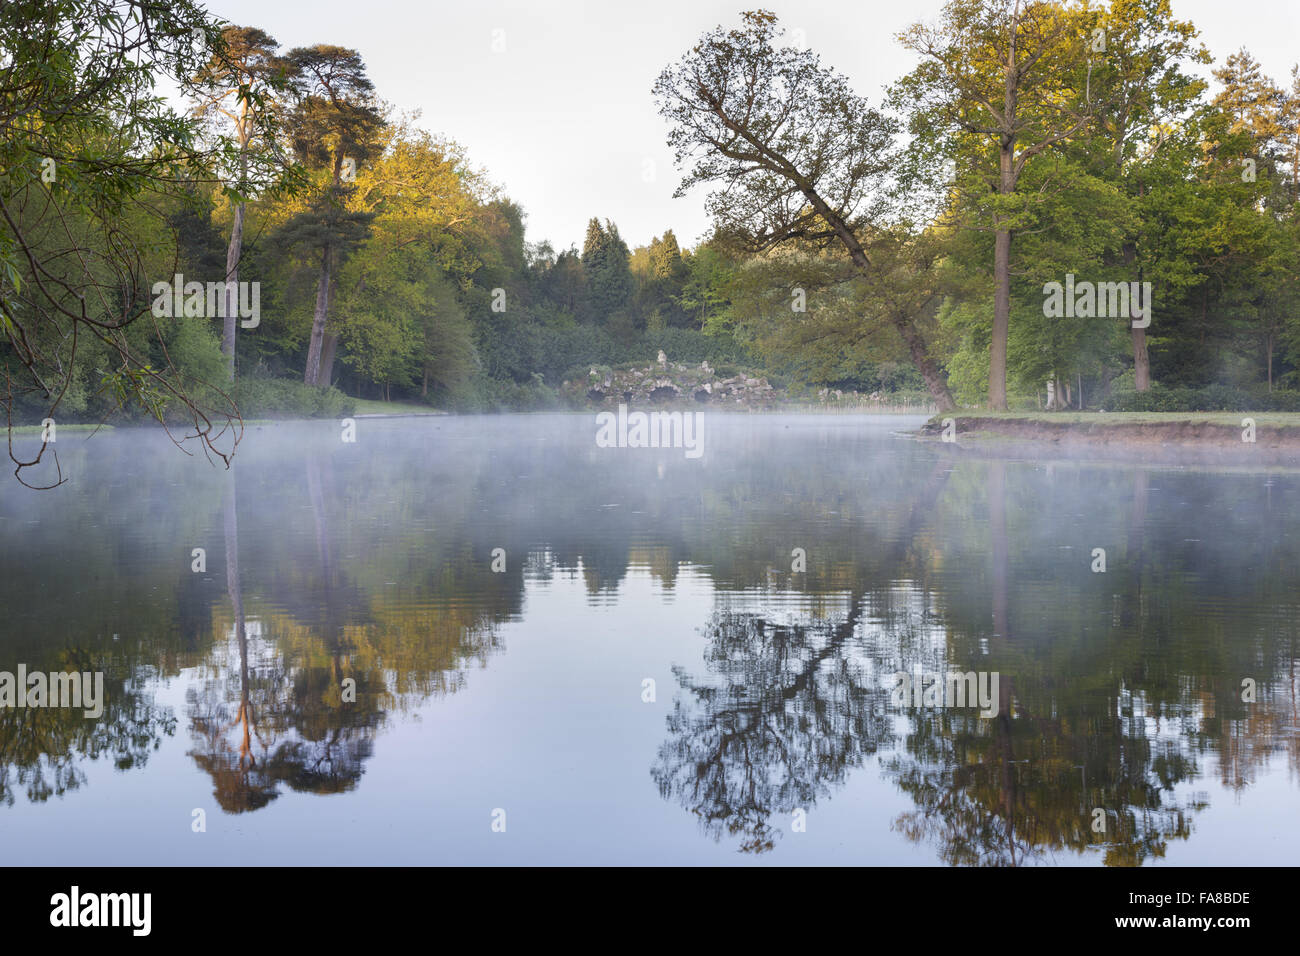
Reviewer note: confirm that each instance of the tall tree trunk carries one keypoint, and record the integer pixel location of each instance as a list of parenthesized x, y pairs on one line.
[(233, 251), (312, 374), (1002, 237), (912, 337), (1141, 361), (925, 364), (328, 350), (1270, 361), (1001, 320)]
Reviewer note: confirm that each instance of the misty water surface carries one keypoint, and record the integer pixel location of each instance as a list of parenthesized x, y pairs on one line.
[(370, 565)]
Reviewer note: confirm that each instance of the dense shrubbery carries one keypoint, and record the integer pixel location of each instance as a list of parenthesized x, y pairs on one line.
[(1212, 398), (281, 398), (487, 394), (255, 398), (692, 346)]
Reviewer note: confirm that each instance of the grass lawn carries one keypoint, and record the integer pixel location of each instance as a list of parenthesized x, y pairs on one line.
[(36, 429), (369, 406)]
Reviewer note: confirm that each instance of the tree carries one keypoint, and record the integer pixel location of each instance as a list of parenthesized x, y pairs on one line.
[(1146, 102), (563, 282), (704, 290), (334, 128), (609, 278), (660, 274), (666, 258), (1010, 76), (1246, 251), (237, 87), (1290, 136), (89, 159), (1252, 101), (399, 319), (797, 152)]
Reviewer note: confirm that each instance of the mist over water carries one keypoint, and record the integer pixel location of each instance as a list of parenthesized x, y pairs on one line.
[(371, 565)]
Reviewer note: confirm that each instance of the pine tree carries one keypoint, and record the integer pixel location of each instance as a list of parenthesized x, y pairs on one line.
[(609, 278), (335, 122), (238, 89), (666, 258), (593, 248), (1252, 99)]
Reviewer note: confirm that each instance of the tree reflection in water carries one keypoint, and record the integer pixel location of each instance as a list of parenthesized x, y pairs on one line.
[(1120, 690), (1085, 723), (788, 713), (307, 737), (272, 709)]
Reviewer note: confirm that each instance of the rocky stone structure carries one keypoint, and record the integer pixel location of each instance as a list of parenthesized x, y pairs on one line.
[(670, 383)]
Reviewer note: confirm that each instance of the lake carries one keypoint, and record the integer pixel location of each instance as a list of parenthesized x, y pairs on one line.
[(492, 640)]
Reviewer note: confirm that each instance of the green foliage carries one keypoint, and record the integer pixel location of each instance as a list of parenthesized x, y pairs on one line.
[(435, 294), (495, 395), (280, 398), (609, 278), (692, 347), (193, 349), (1211, 398), (94, 169)]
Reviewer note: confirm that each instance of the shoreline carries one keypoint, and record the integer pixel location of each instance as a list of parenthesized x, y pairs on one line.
[(1272, 437)]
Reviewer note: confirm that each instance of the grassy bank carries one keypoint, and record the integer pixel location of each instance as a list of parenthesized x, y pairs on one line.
[(367, 406), (70, 427), (1107, 419), (1243, 432)]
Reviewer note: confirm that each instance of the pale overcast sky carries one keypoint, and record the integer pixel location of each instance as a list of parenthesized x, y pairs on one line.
[(562, 117)]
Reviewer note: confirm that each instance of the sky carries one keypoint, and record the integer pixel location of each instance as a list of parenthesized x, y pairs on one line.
[(552, 97)]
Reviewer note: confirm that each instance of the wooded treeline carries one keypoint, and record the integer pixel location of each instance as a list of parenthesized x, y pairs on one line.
[(900, 245)]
